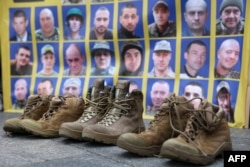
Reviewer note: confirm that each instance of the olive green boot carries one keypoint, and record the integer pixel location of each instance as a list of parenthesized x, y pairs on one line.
[(123, 115), (173, 113), (94, 109), (36, 106), (206, 136), (61, 109)]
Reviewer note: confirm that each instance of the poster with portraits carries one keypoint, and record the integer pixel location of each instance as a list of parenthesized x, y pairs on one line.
[(193, 48)]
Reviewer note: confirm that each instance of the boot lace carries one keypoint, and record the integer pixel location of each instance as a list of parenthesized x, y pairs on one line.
[(31, 105), (93, 108), (169, 107), (53, 108), (198, 121), (116, 109)]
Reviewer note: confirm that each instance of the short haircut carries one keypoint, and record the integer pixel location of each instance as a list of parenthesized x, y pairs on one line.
[(23, 47), (45, 80), (193, 83), (198, 42), (103, 8), (20, 13), (128, 5), (161, 82)]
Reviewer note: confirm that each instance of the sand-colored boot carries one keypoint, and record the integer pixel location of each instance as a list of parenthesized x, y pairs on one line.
[(173, 113), (61, 109), (36, 106), (206, 136), (123, 115), (94, 109)]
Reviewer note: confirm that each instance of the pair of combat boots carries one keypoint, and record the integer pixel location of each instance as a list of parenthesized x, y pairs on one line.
[(109, 112), (180, 132), (44, 114)]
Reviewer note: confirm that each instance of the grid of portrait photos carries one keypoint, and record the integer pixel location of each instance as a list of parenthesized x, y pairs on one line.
[(161, 46)]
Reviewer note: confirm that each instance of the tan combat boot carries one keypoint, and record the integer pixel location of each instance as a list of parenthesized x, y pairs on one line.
[(206, 136), (61, 109), (94, 108), (123, 115), (173, 113), (36, 106)]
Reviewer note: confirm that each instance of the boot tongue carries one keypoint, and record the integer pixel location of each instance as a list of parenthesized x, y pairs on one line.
[(122, 88), (98, 85)]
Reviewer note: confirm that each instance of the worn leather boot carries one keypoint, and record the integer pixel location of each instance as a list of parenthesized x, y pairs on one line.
[(173, 114), (123, 115), (62, 109), (206, 136), (36, 106), (97, 101)]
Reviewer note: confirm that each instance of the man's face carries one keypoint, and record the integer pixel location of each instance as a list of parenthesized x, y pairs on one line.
[(101, 21), (46, 21), (230, 16), (74, 60), (193, 91), (102, 59), (228, 55), (195, 57), (161, 60), (224, 100), (132, 59), (20, 24), (20, 90), (161, 15), (23, 57), (196, 15), (44, 88), (129, 19), (48, 60), (71, 89), (74, 23), (158, 93)]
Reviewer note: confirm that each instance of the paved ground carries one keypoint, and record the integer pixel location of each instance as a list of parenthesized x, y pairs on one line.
[(30, 151)]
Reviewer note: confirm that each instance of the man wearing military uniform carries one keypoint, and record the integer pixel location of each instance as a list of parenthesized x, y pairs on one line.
[(230, 21), (48, 31), (74, 21), (229, 49), (102, 55), (162, 27)]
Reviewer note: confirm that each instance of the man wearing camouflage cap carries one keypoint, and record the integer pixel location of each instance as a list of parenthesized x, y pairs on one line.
[(74, 21), (224, 98), (161, 57), (102, 55), (230, 21), (48, 60), (162, 26)]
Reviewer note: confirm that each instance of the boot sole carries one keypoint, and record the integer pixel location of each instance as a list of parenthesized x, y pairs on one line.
[(69, 133), (148, 151), (90, 135), (182, 155), (36, 132)]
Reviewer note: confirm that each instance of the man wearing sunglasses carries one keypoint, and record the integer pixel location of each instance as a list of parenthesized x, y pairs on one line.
[(74, 59)]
